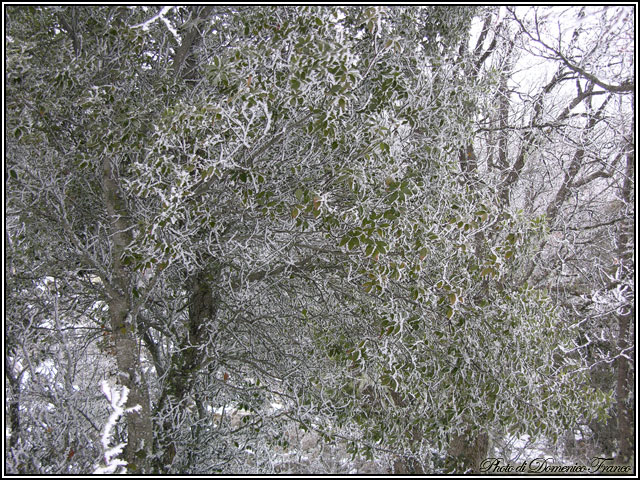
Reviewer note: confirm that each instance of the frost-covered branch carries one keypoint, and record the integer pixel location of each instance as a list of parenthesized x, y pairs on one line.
[(117, 399)]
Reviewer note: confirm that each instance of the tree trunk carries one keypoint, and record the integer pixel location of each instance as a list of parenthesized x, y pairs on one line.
[(624, 376), (139, 425), (467, 452), (186, 362), (623, 382), (13, 412)]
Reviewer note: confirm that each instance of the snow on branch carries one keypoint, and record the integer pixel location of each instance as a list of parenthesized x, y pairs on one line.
[(117, 399)]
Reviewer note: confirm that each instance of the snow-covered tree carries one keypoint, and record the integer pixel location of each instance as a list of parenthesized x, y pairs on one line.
[(278, 218), (561, 143)]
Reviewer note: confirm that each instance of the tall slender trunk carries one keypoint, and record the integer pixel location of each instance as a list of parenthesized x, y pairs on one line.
[(139, 425), (623, 383), (624, 376), (13, 413)]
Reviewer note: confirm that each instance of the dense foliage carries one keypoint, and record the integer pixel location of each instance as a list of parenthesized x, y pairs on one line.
[(266, 219)]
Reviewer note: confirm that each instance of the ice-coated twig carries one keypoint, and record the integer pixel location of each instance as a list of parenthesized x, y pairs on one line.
[(117, 399)]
